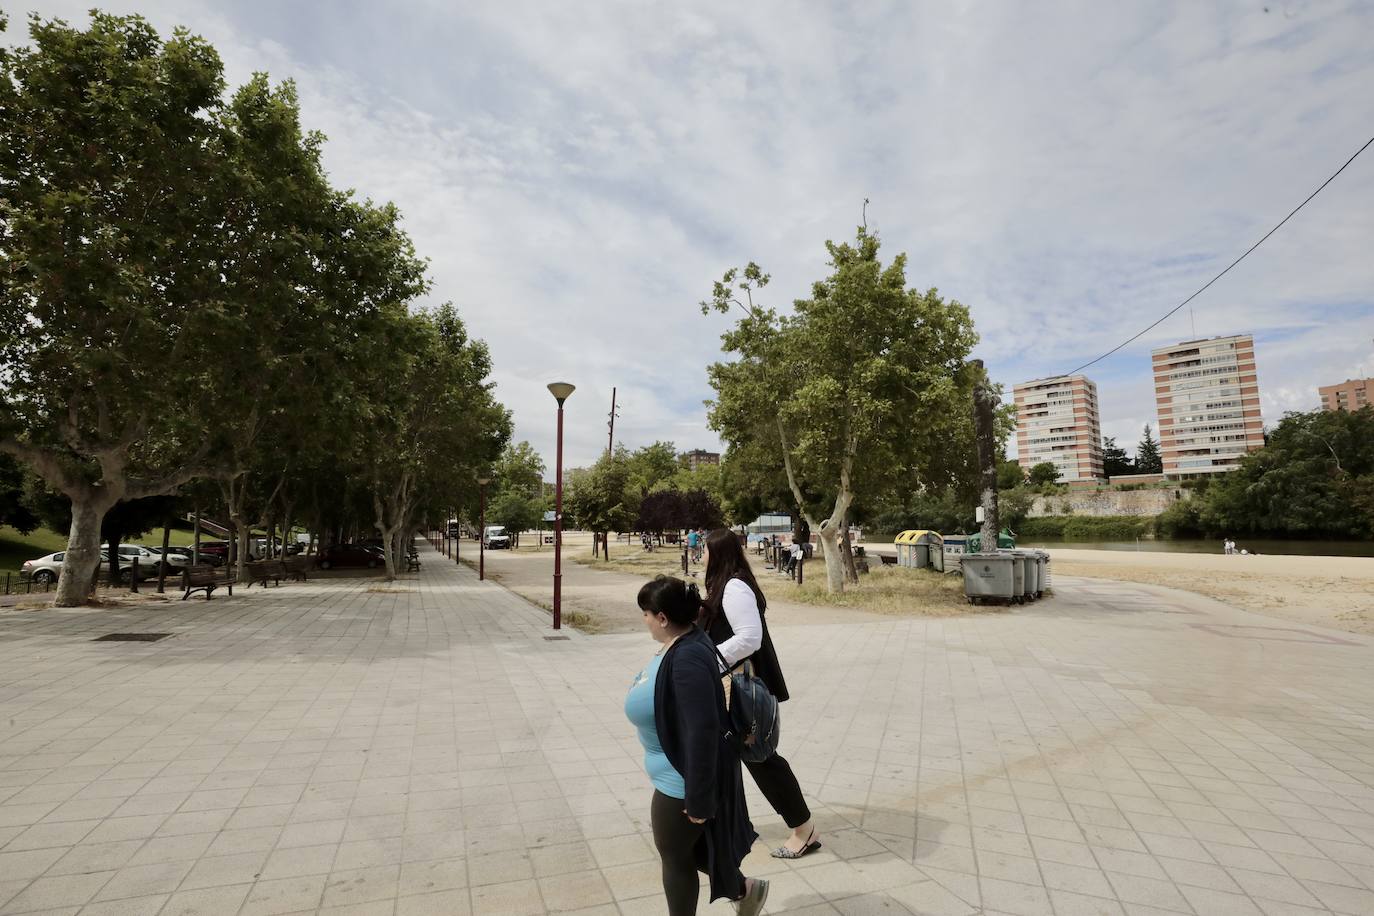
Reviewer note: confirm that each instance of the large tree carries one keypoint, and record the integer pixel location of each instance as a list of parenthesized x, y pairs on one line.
[(864, 381), (1115, 461), (1313, 478), (1147, 457), (112, 189)]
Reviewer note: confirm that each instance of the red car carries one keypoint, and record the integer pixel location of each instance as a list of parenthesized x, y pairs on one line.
[(351, 555)]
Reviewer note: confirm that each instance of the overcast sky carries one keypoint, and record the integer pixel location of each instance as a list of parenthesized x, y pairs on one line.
[(579, 174)]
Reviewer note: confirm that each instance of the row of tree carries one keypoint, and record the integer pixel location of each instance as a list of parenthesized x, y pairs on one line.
[(1148, 458), (188, 305), (1314, 478)]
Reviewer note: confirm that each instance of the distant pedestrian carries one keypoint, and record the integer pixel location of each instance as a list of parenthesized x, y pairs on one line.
[(733, 616), (677, 704)]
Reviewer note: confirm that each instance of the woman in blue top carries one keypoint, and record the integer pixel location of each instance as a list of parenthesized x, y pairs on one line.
[(677, 706)]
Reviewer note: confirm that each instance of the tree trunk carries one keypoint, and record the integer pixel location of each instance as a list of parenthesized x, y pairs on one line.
[(114, 560), (80, 565), (984, 405), (851, 572), (834, 563), (389, 536), (243, 532), (606, 546)]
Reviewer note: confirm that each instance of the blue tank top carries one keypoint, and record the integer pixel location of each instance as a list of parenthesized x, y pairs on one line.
[(639, 709)]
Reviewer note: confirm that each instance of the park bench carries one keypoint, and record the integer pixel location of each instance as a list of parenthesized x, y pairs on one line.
[(412, 561), (265, 570), (887, 561), (205, 579), (298, 566)]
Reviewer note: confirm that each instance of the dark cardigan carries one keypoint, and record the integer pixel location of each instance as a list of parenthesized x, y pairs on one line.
[(692, 731), (765, 658)]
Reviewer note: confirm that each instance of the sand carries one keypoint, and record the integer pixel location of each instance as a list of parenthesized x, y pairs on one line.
[(1336, 592)]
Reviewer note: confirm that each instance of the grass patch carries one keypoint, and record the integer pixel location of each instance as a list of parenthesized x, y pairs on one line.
[(884, 590), (639, 563), (15, 548)]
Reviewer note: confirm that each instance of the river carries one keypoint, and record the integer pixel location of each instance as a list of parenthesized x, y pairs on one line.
[(1185, 545)]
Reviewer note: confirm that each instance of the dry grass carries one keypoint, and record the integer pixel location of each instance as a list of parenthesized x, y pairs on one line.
[(639, 563), (884, 590)]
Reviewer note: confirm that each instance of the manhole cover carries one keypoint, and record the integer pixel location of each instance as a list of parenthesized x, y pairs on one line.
[(131, 637), (552, 638)]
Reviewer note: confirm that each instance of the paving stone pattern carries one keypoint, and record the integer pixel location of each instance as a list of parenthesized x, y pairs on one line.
[(346, 747)]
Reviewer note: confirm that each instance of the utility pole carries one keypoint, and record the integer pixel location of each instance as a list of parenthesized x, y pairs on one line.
[(984, 406), (610, 440)]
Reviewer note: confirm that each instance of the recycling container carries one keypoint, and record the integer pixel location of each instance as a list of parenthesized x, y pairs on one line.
[(991, 576), (1030, 566)]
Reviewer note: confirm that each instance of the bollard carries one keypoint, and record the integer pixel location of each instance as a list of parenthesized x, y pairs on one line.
[(684, 560), (7, 583), (133, 577), (801, 565)]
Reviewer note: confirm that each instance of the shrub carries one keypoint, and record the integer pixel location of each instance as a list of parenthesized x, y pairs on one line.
[(1087, 528)]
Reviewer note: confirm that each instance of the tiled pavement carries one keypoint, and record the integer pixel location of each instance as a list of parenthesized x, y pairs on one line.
[(341, 747)]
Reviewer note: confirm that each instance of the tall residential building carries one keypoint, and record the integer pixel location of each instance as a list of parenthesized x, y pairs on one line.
[(1057, 421), (699, 456), (1207, 393), (1351, 394)]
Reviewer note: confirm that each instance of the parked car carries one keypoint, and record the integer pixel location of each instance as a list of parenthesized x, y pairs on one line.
[(350, 555), (494, 537), (176, 558), (45, 570), (148, 560)]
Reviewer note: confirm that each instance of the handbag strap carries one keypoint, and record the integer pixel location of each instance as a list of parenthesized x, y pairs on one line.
[(726, 667)]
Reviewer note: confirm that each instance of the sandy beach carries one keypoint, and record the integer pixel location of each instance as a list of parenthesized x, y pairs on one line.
[(1330, 591)]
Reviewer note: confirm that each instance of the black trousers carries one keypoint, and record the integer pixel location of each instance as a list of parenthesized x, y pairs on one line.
[(775, 780), (681, 851)]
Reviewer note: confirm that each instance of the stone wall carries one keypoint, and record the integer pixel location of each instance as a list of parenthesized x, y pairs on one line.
[(1108, 502)]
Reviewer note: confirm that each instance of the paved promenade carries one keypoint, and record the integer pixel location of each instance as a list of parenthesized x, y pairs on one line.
[(349, 747)]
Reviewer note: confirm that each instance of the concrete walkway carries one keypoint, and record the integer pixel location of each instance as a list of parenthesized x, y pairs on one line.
[(349, 747)]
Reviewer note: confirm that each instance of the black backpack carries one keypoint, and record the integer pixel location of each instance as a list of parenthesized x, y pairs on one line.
[(755, 725)]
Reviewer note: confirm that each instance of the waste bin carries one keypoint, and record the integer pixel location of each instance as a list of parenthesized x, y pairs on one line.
[(922, 554), (1030, 569), (1043, 582), (991, 576)]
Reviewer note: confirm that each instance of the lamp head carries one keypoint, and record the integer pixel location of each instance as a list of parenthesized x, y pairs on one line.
[(483, 481), (561, 391)]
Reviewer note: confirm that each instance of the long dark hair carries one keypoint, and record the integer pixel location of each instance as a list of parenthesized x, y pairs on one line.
[(726, 561)]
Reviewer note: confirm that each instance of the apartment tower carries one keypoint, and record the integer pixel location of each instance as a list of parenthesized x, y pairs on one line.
[(1207, 393), (1057, 421), (1352, 394)]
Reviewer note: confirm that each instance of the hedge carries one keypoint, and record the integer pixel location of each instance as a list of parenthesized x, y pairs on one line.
[(1086, 528)]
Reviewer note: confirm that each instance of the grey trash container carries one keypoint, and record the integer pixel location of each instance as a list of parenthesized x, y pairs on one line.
[(922, 553), (1030, 567), (991, 576), (1043, 582)]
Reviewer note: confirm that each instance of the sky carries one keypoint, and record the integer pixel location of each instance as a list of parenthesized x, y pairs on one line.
[(580, 174)]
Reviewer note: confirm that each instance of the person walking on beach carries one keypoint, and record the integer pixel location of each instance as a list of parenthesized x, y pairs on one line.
[(677, 705), (733, 616)]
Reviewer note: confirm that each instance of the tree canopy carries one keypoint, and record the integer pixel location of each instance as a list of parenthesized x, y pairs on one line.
[(865, 382)]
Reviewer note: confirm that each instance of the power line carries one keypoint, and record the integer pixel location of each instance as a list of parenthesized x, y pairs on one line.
[(1175, 309)]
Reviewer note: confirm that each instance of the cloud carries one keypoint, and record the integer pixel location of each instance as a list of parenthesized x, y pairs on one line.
[(579, 174)]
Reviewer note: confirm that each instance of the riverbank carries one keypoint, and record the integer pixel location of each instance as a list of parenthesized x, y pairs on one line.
[(1335, 592)]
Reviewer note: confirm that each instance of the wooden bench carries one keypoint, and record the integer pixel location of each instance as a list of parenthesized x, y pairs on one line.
[(205, 579), (412, 562), (887, 561), (298, 567), (264, 571)]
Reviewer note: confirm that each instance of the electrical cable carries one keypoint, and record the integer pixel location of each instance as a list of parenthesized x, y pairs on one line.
[(1176, 308)]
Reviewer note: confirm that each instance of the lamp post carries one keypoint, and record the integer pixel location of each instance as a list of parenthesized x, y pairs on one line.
[(560, 391), (482, 535)]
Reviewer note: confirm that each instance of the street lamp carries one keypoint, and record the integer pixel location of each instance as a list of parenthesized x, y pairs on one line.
[(482, 535), (560, 392)]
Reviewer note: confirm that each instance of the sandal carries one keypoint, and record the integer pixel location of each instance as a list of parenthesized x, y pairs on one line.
[(812, 844)]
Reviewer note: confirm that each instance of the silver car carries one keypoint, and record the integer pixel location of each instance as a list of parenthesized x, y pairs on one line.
[(45, 570)]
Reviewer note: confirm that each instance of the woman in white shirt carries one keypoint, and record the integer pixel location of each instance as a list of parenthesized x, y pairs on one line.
[(733, 616)]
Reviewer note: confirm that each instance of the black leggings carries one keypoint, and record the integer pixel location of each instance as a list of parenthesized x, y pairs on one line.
[(775, 780), (682, 851)]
